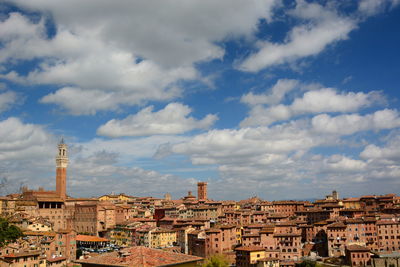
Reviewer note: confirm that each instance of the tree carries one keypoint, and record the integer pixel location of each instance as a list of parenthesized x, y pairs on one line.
[(8, 233), (216, 261)]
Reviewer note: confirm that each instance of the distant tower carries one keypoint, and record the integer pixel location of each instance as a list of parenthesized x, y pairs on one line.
[(61, 170), (202, 191), (167, 196), (335, 195)]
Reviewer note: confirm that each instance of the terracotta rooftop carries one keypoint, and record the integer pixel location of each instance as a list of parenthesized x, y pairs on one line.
[(337, 225), (250, 248), (276, 215), (89, 238), (227, 226), (23, 254), (351, 199), (386, 222), (39, 233), (357, 248), (56, 259), (354, 220), (255, 225), (140, 257)]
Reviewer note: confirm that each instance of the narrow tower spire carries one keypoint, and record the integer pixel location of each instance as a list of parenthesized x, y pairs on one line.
[(61, 170)]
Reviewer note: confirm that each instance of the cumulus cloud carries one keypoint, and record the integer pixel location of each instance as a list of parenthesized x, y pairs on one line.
[(352, 123), (388, 152), (173, 119), (7, 99), (96, 167), (99, 172), (316, 101), (100, 100), (260, 144), (26, 153), (275, 96), (22, 141), (343, 164), (135, 53), (372, 7), (322, 26)]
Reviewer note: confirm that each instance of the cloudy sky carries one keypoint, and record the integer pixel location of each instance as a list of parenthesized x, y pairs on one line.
[(279, 99)]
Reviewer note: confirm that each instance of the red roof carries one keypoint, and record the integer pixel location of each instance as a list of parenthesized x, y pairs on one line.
[(89, 238), (140, 257), (250, 248)]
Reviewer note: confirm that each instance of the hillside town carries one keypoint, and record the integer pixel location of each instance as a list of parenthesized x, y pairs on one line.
[(124, 230)]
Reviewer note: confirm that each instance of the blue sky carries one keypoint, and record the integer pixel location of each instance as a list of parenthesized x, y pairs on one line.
[(279, 99)]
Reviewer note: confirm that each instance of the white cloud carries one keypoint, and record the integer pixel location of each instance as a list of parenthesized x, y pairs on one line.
[(22, 141), (173, 119), (7, 99), (342, 163), (27, 153), (322, 27), (317, 101), (132, 53), (75, 100), (247, 144), (373, 7), (98, 173), (352, 123), (388, 153), (275, 96)]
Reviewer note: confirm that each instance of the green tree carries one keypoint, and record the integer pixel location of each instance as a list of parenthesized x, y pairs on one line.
[(216, 261), (8, 233)]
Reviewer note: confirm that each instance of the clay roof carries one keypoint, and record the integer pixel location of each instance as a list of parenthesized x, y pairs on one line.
[(250, 248), (89, 238), (351, 199), (39, 233), (321, 223), (140, 257), (227, 226), (255, 225), (354, 220), (267, 230), (357, 248), (337, 225), (56, 259), (23, 254), (164, 230), (386, 222), (287, 202), (213, 230)]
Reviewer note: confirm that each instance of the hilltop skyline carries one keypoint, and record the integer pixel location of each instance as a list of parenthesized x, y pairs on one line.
[(279, 99)]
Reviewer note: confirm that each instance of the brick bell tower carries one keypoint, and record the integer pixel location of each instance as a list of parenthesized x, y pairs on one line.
[(61, 170), (202, 191)]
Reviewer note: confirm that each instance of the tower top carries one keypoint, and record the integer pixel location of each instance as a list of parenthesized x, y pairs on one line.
[(62, 156)]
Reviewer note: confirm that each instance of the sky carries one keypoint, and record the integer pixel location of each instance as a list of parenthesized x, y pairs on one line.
[(269, 98)]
